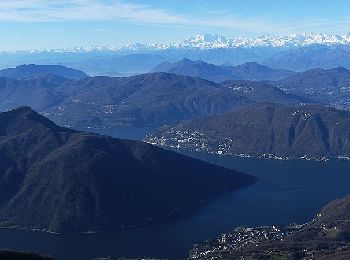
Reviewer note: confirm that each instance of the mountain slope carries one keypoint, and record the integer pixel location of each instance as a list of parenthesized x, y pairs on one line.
[(40, 93), (35, 71), (336, 214), (326, 237), (110, 64), (265, 130), (255, 71), (145, 100), (60, 180), (330, 86), (198, 68), (105, 102), (259, 91), (310, 57), (246, 71)]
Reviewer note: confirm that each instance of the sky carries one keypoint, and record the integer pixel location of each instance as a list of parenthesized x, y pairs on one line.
[(33, 24)]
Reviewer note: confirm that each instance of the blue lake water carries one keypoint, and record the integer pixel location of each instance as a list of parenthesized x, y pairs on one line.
[(287, 191), (126, 133)]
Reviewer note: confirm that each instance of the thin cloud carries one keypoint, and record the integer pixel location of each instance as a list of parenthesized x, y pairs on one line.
[(82, 10), (90, 10), (116, 10)]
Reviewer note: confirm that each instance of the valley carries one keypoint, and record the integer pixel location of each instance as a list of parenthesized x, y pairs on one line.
[(287, 192), (104, 184), (206, 148)]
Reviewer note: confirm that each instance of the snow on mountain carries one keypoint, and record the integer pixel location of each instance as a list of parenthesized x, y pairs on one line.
[(214, 41)]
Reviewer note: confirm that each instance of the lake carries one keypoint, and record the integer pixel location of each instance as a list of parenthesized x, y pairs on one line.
[(125, 133), (287, 191)]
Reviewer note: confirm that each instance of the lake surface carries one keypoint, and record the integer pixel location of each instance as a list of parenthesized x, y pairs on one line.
[(287, 191), (125, 133)]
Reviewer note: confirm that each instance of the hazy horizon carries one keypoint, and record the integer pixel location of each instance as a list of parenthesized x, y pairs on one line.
[(69, 23)]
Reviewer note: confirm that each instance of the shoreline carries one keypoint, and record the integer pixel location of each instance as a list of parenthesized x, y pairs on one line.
[(262, 156), (159, 220)]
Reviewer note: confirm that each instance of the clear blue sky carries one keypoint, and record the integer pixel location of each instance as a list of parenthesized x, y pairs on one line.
[(28, 24)]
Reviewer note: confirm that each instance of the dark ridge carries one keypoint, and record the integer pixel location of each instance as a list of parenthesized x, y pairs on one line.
[(151, 99), (328, 86), (255, 71), (15, 255), (310, 131), (260, 91), (246, 71), (33, 71), (56, 179), (105, 102)]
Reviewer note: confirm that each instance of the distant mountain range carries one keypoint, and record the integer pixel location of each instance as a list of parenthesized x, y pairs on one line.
[(246, 71), (57, 179), (119, 65), (292, 52), (215, 41), (33, 71), (311, 57), (265, 130)]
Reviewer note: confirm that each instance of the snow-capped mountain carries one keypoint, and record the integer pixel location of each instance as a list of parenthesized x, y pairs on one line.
[(292, 52), (214, 41)]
